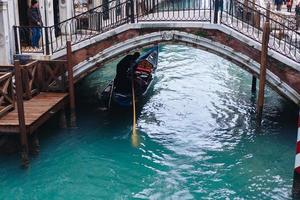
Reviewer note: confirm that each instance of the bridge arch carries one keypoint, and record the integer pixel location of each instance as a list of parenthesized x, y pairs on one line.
[(135, 39)]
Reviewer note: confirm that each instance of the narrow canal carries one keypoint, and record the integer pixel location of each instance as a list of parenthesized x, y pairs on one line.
[(198, 139)]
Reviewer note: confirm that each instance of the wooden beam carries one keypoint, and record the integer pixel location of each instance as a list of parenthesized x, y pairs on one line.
[(71, 85), (21, 115), (262, 74)]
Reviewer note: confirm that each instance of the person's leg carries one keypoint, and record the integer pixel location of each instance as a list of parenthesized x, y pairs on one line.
[(33, 37), (38, 36)]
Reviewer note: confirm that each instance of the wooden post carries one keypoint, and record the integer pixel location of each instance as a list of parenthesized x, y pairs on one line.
[(71, 85), (253, 88), (21, 115), (262, 74)]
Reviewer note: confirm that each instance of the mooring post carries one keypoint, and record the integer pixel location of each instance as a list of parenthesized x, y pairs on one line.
[(262, 74), (71, 85), (253, 87), (21, 115), (296, 181)]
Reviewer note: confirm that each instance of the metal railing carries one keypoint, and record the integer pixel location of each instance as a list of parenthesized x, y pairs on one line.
[(247, 19), (24, 39), (76, 29), (174, 10)]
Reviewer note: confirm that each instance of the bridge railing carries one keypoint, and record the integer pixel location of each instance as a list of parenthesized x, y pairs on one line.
[(246, 18), (89, 24), (24, 39), (169, 10), (249, 20), (76, 29)]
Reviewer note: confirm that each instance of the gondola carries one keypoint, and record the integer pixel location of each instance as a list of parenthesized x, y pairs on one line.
[(142, 75)]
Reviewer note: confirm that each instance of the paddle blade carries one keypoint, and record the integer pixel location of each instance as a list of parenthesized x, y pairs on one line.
[(135, 140)]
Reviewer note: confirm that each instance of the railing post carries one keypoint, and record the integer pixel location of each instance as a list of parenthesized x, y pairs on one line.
[(132, 11), (21, 115), (262, 74), (216, 11), (137, 6), (47, 41), (16, 40), (257, 20), (71, 85), (245, 10)]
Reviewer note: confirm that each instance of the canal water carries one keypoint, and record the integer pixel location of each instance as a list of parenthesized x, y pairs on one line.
[(198, 140)]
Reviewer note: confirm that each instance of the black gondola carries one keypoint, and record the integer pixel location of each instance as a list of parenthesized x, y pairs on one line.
[(143, 74)]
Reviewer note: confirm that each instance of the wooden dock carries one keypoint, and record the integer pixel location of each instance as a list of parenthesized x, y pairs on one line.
[(32, 93), (36, 111)]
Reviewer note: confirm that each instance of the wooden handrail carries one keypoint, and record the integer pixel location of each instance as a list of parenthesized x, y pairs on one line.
[(7, 100)]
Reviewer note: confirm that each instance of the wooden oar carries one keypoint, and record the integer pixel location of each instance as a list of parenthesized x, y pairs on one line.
[(134, 136), (110, 95)]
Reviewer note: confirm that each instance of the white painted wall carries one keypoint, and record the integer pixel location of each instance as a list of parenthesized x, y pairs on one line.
[(66, 9), (5, 45)]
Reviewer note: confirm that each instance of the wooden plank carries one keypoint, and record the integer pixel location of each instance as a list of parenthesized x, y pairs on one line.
[(53, 61), (43, 118), (31, 63), (36, 111)]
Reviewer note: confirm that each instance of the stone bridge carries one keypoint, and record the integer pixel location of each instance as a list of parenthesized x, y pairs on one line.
[(231, 33), (282, 74)]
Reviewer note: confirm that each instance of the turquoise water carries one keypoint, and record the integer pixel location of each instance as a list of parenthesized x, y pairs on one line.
[(198, 140)]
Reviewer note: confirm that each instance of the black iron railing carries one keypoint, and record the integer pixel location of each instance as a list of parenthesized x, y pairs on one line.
[(174, 10), (24, 36), (76, 29), (245, 18), (249, 20)]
